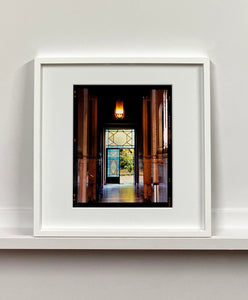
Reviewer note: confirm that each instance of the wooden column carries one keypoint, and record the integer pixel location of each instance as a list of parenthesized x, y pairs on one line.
[(93, 150), (154, 129), (83, 146), (165, 120), (146, 154)]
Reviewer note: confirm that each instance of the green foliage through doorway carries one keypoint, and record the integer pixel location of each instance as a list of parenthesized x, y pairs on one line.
[(127, 161)]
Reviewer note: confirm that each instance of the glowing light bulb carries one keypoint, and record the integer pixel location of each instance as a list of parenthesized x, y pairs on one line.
[(119, 109)]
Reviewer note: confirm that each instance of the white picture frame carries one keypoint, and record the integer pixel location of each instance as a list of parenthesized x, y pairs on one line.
[(54, 215)]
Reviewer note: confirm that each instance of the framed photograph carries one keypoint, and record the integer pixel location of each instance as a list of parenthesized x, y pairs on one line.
[(122, 147)]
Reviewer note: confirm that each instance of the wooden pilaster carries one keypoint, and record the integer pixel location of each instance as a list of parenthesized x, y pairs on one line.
[(83, 146), (93, 150), (146, 154), (155, 140)]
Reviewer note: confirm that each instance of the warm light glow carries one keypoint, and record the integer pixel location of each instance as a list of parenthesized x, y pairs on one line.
[(119, 110)]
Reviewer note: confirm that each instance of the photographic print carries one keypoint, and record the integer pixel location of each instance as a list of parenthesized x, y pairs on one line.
[(122, 148), (122, 145)]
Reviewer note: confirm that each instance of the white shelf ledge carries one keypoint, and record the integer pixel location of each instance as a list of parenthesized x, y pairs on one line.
[(23, 239)]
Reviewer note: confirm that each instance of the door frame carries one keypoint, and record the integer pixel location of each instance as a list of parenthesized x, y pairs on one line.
[(136, 164)]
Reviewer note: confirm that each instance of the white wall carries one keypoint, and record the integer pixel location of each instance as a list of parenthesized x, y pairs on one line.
[(214, 28)]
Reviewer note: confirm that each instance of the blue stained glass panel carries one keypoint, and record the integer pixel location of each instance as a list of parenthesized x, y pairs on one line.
[(113, 163)]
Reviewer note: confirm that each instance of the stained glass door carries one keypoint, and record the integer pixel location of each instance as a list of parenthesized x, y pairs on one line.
[(113, 166)]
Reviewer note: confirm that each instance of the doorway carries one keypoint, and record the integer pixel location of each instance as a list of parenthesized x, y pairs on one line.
[(120, 155), (120, 167)]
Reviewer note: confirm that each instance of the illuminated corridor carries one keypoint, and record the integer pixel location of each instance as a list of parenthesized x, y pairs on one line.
[(122, 146)]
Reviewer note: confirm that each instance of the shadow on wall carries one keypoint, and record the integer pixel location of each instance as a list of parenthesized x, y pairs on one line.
[(23, 99), (214, 145)]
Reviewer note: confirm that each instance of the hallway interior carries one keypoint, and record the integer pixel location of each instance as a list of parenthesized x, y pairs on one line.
[(122, 145)]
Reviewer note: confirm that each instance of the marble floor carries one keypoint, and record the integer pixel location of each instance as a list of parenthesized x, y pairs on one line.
[(120, 193)]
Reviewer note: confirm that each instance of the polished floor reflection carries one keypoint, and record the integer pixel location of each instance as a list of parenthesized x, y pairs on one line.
[(128, 192), (120, 193)]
